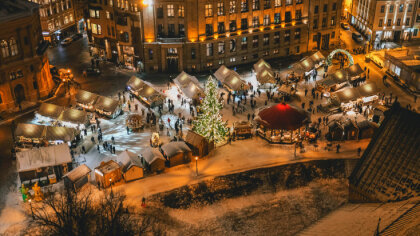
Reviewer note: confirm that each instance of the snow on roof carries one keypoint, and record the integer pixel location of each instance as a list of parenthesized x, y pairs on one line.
[(135, 83), (354, 70), (106, 104), (234, 81), (189, 85), (261, 65), (265, 75), (317, 57), (173, 148), (60, 133), (30, 130), (43, 157), (127, 159), (151, 154), (50, 110), (78, 173), (74, 116), (194, 139), (221, 73), (107, 167), (86, 97)]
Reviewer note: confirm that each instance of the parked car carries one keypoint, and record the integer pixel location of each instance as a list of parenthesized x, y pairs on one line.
[(345, 26), (77, 36), (66, 41), (357, 37), (93, 71)]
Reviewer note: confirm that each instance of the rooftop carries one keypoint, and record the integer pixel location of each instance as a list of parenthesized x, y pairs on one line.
[(15, 9)]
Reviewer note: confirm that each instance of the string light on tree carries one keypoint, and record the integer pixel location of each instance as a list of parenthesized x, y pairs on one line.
[(209, 123)]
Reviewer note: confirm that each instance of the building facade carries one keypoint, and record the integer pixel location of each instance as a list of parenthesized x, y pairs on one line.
[(197, 35), (385, 20), (24, 68), (59, 18)]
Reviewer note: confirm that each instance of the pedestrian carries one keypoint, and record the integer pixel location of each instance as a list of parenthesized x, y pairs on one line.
[(143, 202), (249, 116), (92, 139), (128, 130), (99, 150), (359, 150), (338, 147), (83, 149), (113, 149), (113, 140), (306, 91)]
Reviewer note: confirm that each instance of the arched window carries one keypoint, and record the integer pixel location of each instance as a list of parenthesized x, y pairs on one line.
[(4, 49), (13, 47)]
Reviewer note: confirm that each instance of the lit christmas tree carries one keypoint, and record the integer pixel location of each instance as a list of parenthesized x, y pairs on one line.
[(209, 123)]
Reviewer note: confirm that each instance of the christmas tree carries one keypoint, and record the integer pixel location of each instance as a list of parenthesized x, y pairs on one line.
[(209, 123)]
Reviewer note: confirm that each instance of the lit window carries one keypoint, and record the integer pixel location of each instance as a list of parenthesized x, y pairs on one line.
[(220, 9), (13, 47), (209, 10), (232, 6), (266, 20), (171, 12), (209, 49), (277, 3), (4, 49), (181, 11), (221, 48)]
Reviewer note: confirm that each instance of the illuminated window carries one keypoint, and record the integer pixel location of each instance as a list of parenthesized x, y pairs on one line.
[(209, 49), (208, 10), (277, 3), (220, 9), (244, 5), (255, 4), (266, 39), (13, 47), (221, 48), (4, 49), (244, 43), (267, 4), (232, 45), (255, 21), (232, 6), (266, 20), (66, 20), (171, 12), (181, 11)]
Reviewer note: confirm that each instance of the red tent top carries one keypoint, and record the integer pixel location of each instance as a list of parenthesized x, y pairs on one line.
[(282, 116)]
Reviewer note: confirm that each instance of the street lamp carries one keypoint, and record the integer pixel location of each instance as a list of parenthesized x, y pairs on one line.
[(32, 211), (110, 182), (196, 165)]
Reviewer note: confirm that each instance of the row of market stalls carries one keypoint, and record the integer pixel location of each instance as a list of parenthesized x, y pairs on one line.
[(58, 115), (350, 130), (348, 97), (102, 105), (130, 166), (341, 78), (190, 87), (231, 80), (44, 165), (29, 134), (308, 64), (145, 92)]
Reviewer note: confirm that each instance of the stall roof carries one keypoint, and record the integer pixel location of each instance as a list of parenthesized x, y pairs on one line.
[(127, 159), (151, 154), (30, 130), (340, 76), (172, 148), (86, 97), (60, 133), (317, 57), (303, 66), (221, 73), (354, 70), (194, 139), (50, 110), (346, 95), (43, 157), (261, 65), (78, 173), (189, 85), (106, 104), (327, 82), (234, 81), (368, 89), (265, 76), (74, 116), (107, 167), (135, 83)]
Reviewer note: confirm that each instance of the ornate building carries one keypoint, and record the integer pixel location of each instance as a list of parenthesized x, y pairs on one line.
[(24, 67), (197, 35), (59, 18)]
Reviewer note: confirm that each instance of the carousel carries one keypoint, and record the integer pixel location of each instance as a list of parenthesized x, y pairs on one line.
[(281, 123), (134, 122)]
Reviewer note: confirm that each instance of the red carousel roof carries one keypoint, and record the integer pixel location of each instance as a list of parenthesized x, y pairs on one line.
[(282, 116)]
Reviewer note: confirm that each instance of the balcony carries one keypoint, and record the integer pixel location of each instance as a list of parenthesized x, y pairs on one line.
[(170, 40)]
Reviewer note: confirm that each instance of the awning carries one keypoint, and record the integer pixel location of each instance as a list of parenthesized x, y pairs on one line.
[(50, 110), (304, 66), (282, 116), (43, 157), (60, 133), (85, 97), (78, 173), (74, 116), (135, 83), (354, 70), (346, 95), (317, 57), (29, 131), (368, 89), (106, 104), (340, 76)]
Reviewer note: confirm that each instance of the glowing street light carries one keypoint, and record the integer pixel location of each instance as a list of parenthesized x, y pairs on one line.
[(196, 165), (110, 182), (32, 211)]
